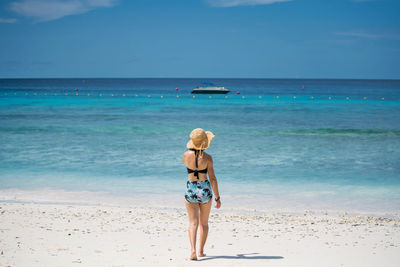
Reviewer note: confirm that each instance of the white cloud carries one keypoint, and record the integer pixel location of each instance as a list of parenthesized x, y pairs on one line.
[(45, 10), (362, 34), (8, 20), (231, 3)]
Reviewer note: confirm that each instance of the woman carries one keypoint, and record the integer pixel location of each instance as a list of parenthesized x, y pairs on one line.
[(198, 189)]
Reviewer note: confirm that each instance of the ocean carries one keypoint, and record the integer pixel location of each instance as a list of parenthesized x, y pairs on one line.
[(333, 145)]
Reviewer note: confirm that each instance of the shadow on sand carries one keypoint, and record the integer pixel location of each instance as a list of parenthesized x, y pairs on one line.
[(242, 257)]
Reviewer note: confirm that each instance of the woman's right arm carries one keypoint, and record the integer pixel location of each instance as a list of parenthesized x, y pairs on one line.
[(213, 181)]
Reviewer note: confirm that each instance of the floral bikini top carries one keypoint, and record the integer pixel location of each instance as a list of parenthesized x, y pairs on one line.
[(196, 172)]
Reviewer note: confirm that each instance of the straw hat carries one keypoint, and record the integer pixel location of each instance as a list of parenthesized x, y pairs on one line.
[(200, 139)]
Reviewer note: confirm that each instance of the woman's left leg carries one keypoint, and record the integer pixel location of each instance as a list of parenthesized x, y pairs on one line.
[(193, 214), (204, 214)]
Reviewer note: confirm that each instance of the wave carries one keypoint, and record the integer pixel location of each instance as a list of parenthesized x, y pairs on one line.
[(321, 132), (347, 132), (158, 129), (87, 129)]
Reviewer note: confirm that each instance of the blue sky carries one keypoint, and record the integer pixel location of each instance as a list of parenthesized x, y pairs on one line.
[(200, 38)]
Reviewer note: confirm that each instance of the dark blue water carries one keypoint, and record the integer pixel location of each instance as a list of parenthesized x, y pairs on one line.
[(319, 87), (336, 141)]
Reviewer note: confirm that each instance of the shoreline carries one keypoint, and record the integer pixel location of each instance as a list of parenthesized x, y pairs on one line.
[(245, 204)]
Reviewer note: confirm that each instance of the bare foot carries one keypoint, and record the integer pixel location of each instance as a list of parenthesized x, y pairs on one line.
[(202, 254), (193, 256)]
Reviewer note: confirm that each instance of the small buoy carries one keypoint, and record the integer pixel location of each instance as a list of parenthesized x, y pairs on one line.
[(177, 96), (330, 97), (294, 97), (162, 96), (347, 97), (76, 89), (302, 88), (176, 89), (243, 97), (136, 95), (364, 97), (237, 92), (112, 94), (383, 98), (123, 94), (76, 94), (277, 96), (194, 96), (209, 97)]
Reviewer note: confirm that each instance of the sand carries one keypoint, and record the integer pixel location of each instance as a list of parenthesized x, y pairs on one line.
[(37, 234)]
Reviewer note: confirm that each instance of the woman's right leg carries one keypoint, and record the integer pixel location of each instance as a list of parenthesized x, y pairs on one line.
[(204, 214), (193, 213)]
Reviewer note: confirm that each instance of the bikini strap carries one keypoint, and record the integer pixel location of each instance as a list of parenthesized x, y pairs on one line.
[(196, 152)]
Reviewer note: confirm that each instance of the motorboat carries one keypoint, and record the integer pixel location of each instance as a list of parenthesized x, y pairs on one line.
[(210, 88)]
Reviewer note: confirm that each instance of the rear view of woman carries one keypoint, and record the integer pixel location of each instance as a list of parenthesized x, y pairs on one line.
[(199, 190)]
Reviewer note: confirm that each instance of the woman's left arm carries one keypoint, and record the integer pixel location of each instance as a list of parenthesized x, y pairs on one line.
[(183, 158)]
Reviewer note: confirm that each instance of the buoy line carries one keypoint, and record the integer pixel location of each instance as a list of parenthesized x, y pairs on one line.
[(76, 93)]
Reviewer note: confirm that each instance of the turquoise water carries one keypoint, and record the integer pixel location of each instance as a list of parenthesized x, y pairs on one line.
[(127, 138)]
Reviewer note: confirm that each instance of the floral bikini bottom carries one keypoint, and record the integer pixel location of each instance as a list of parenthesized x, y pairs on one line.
[(198, 191)]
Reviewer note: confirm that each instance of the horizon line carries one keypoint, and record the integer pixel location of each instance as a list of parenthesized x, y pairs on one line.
[(224, 78)]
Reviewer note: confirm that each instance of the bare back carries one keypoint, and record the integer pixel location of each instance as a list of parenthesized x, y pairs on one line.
[(189, 159)]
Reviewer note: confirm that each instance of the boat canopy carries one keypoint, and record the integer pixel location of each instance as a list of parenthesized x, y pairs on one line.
[(207, 84)]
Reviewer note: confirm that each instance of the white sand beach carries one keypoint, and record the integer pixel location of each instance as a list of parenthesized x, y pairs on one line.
[(40, 234)]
